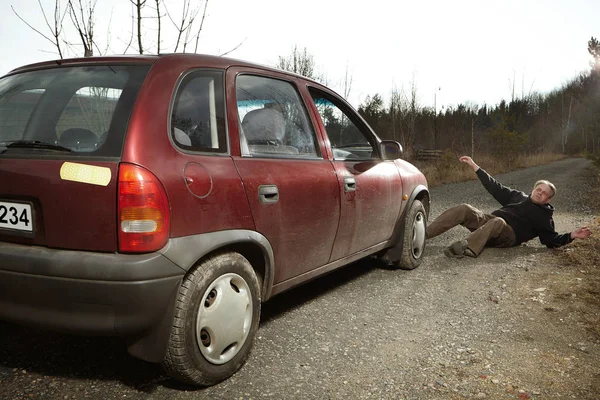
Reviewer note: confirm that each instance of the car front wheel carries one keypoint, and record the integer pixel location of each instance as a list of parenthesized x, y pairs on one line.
[(216, 318), (413, 240)]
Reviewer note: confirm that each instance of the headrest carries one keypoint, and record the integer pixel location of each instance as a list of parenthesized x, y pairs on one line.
[(181, 137), (264, 124)]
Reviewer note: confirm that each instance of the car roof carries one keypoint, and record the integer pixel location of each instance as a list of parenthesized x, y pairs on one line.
[(205, 60)]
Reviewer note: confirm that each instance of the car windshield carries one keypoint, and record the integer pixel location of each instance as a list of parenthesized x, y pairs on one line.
[(71, 110)]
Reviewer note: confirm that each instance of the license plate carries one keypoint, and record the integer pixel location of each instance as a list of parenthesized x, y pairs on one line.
[(16, 216)]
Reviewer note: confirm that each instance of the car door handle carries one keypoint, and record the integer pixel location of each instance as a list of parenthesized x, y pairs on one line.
[(268, 194), (349, 184)]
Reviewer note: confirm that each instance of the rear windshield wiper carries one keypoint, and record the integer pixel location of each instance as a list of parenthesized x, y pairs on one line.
[(33, 144)]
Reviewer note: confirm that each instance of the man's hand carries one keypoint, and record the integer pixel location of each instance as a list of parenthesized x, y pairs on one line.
[(468, 160), (581, 233)]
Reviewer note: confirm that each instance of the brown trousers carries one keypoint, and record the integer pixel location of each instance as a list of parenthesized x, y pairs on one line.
[(486, 229)]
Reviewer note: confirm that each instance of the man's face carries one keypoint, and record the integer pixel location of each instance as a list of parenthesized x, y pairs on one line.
[(541, 194)]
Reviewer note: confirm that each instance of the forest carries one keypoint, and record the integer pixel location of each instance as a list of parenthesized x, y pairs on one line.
[(564, 121)]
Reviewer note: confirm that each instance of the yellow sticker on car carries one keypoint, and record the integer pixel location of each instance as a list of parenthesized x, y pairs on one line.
[(83, 173)]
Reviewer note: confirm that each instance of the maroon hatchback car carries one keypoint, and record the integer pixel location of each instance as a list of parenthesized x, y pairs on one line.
[(163, 198)]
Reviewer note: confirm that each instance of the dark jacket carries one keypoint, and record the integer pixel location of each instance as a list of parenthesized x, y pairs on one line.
[(527, 219)]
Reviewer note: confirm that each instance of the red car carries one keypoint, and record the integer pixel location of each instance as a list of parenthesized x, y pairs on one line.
[(163, 198)]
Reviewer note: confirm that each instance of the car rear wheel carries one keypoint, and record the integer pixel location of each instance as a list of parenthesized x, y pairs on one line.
[(216, 319), (413, 240)]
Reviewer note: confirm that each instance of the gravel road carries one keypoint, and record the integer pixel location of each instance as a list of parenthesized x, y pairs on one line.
[(506, 325)]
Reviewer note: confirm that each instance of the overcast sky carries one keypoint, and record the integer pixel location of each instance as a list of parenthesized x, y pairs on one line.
[(456, 51)]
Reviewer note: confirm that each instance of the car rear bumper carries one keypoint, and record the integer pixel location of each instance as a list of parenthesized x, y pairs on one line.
[(84, 292)]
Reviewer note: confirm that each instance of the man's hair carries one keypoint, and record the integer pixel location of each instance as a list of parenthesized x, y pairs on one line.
[(545, 182)]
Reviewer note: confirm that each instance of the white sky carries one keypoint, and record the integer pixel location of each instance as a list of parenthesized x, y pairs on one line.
[(460, 50)]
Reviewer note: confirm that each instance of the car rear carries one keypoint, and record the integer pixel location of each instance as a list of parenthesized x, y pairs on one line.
[(79, 229)]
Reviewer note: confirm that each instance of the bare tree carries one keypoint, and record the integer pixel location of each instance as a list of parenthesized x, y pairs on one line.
[(404, 111), (396, 111), (82, 17), (158, 21), (145, 16), (413, 110), (56, 29), (138, 5), (347, 86), (201, 26), (184, 25), (81, 14), (300, 62)]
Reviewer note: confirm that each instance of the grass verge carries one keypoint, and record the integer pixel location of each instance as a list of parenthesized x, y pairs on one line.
[(584, 255), (449, 170)]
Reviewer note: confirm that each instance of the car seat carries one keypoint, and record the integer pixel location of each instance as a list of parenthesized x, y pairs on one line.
[(264, 130)]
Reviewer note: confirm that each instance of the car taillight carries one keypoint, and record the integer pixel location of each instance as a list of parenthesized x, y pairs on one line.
[(143, 211)]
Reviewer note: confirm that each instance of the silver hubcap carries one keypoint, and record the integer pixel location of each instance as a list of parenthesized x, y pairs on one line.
[(418, 240), (224, 318)]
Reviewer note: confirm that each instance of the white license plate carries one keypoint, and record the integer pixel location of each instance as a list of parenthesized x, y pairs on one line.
[(16, 216)]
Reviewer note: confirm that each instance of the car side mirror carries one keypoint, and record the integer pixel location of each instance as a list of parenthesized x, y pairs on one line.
[(390, 149)]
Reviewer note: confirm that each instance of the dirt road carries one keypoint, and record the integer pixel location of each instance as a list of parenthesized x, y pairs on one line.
[(512, 323)]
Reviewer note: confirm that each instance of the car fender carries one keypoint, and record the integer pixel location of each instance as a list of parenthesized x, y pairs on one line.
[(422, 193), (186, 251)]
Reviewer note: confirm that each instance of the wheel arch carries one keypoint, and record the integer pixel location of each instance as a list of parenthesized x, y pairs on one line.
[(189, 251), (421, 193)]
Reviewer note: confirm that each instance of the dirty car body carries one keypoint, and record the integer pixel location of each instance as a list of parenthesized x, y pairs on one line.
[(164, 198)]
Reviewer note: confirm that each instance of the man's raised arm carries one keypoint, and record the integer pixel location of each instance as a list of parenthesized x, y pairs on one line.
[(504, 195), (469, 161)]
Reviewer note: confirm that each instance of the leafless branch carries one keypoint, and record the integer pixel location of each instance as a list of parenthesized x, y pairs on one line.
[(159, 27), (347, 83), (132, 25), (186, 21), (84, 28), (185, 40), (107, 35), (57, 27), (139, 4), (201, 26), (70, 46), (235, 48)]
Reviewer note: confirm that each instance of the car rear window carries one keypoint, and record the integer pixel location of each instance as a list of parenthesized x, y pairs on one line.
[(71, 110)]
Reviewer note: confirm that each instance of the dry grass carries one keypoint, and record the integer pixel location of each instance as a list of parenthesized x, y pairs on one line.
[(584, 255), (585, 252), (449, 170)]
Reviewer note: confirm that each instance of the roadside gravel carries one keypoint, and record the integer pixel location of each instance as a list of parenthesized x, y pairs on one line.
[(510, 324)]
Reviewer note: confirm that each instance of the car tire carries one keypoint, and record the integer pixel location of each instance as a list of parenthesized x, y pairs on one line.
[(413, 238), (216, 319)]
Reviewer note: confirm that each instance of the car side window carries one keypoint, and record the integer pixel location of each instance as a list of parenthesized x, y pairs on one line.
[(273, 119), (198, 116), (348, 137)]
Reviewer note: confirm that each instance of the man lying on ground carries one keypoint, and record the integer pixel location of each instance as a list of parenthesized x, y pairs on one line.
[(521, 218)]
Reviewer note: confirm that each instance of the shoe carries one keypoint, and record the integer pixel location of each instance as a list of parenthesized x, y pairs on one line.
[(456, 249), (470, 253)]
